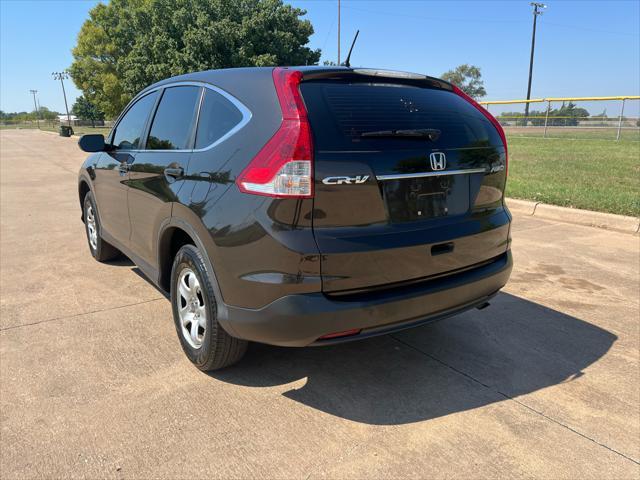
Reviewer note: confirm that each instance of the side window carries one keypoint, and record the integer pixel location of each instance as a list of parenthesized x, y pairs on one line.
[(129, 129), (171, 127), (217, 116)]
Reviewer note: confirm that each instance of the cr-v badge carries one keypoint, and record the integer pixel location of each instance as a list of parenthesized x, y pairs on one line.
[(345, 180)]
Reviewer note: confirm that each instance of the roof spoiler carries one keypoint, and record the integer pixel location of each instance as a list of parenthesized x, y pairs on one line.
[(373, 74)]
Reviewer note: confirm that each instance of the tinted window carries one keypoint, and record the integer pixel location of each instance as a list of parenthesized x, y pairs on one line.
[(340, 112), (129, 130), (171, 127), (217, 116)]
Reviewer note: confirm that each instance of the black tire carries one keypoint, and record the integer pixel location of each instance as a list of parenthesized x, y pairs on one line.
[(218, 349), (101, 251)]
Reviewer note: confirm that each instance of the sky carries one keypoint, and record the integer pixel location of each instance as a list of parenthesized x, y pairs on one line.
[(583, 48)]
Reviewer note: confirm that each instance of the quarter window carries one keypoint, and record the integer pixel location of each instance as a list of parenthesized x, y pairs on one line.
[(171, 128), (217, 117), (129, 129)]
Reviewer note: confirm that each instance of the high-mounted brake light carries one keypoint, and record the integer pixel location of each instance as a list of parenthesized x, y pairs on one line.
[(283, 168), (492, 119)]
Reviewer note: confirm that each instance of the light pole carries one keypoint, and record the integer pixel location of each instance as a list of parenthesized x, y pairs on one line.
[(63, 76), (536, 11), (33, 92)]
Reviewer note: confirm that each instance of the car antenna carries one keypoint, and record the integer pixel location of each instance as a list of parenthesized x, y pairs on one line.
[(346, 62)]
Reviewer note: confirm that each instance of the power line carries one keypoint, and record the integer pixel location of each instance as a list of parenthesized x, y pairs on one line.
[(420, 17), (589, 29), (481, 21), (338, 32)]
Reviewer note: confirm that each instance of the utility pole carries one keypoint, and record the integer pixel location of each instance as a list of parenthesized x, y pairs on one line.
[(63, 76), (338, 32), (33, 92), (537, 7)]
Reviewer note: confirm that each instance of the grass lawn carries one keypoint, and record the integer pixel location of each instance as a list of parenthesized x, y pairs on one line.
[(576, 133), (593, 174)]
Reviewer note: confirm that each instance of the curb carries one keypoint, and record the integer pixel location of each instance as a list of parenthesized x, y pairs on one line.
[(608, 221)]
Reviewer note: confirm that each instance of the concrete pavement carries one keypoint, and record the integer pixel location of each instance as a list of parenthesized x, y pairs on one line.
[(93, 382)]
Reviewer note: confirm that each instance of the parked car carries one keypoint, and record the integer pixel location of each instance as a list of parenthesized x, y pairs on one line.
[(302, 206)]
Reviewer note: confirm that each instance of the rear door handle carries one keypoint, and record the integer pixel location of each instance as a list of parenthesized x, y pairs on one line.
[(174, 172)]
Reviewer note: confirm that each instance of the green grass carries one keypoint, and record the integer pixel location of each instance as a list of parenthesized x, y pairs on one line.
[(631, 134), (592, 174)]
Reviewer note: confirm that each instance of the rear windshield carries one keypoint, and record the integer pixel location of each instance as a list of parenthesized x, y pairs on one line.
[(341, 112)]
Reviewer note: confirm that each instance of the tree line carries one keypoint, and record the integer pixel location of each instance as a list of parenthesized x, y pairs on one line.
[(21, 117), (82, 109), (567, 115)]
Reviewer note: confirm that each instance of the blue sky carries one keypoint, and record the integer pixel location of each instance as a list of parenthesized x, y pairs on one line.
[(583, 48)]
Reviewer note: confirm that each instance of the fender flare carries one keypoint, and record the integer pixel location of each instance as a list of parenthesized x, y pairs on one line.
[(84, 177), (222, 310)]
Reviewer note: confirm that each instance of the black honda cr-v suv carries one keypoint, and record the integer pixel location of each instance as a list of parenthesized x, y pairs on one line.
[(302, 206)]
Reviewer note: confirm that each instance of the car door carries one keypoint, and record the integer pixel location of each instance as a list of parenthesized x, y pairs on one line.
[(157, 172), (111, 169)]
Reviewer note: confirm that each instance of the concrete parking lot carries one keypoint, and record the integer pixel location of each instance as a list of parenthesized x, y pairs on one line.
[(93, 383)]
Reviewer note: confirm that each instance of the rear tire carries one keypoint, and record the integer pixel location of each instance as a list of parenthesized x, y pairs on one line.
[(204, 341), (101, 250)]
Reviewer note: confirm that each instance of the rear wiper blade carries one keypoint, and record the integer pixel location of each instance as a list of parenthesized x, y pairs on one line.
[(419, 133)]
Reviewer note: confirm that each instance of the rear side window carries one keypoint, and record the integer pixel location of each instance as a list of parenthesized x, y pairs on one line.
[(172, 123), (129, 129), (218, 116), (341, 112)]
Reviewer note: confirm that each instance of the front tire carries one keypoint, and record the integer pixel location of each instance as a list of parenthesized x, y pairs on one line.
[(204, 341), (101, 250)]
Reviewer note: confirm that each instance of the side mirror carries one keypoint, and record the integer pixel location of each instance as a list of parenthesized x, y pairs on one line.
[(92, 143)]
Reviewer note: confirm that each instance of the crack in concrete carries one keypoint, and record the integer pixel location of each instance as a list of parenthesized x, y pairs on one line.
[(508, 397), (13, 327)]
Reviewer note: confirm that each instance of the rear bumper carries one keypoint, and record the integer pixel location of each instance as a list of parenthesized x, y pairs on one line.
[(299, 320)]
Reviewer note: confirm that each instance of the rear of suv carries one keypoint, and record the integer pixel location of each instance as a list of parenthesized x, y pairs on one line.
[(302, 206)]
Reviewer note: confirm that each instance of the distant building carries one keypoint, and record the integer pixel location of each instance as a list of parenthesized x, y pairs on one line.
[(63, 119)]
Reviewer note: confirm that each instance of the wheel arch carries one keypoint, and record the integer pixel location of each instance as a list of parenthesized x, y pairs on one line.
[(83, 189), (173, 234)]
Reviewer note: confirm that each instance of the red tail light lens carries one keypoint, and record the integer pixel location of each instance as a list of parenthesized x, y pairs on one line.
[(346, 333), (283, 168), (491, 118)]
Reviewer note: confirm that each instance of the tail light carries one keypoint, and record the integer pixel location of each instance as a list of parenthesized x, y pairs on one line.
[(492, 119), (283, 168)]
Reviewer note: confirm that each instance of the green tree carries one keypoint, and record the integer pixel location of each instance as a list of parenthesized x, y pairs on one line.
[(468, 78), (85, 110), (46, 114), (126, 45)]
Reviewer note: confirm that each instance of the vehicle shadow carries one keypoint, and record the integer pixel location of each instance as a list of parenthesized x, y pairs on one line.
[(513, 348)]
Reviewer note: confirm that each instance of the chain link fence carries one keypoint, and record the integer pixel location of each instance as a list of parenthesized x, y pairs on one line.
[(569, 117)]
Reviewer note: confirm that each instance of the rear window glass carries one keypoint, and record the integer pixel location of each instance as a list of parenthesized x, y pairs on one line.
[(218, 116), (172, 123), (341, 112)]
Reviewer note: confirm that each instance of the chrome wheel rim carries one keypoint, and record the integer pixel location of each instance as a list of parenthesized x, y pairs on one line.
[(191, 308), (92, 228)]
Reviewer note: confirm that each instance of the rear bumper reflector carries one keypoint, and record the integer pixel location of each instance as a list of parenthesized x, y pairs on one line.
[(346, 333)]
